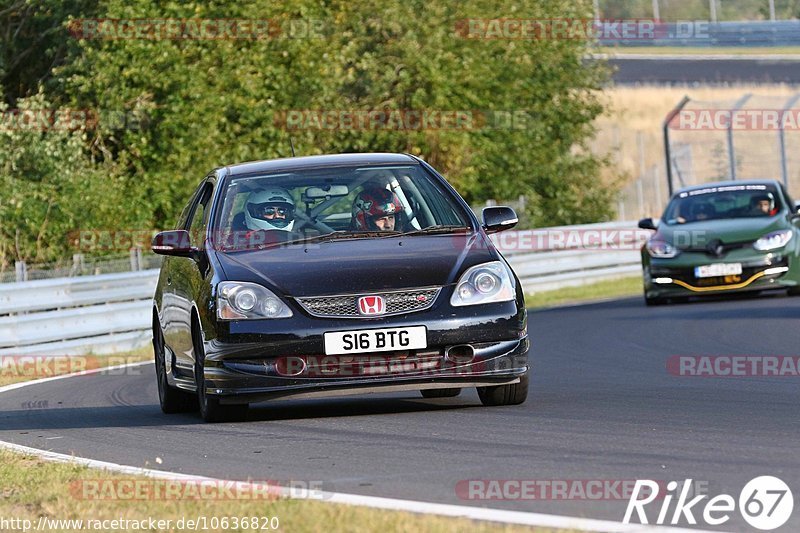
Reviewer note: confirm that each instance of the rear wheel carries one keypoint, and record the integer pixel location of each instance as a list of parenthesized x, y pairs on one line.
[(210, 407), (172, 400), (794, 291), (440, 393), (514, 394)]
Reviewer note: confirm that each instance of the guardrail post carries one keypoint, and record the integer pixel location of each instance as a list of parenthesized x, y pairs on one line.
[(77, 264), (136, 259), (21, 270)]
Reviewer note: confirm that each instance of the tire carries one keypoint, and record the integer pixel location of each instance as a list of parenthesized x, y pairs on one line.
[(172, 400), (514, 394), (211, 410), (651, 302), (793, 291), (440, 393)]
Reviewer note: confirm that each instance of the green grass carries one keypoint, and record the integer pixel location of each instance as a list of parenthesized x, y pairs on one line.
[(618, 288), (676, 50), (31, 488)]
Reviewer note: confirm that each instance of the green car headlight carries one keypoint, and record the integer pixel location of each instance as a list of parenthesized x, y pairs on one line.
[(774, 240), (661, 249)]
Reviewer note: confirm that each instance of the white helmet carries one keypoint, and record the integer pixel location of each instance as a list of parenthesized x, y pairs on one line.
[(272, 203)]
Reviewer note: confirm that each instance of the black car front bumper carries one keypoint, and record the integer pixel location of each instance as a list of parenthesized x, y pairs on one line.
[(251, 361)]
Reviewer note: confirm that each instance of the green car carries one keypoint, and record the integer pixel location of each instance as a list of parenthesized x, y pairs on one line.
[(717, 238)]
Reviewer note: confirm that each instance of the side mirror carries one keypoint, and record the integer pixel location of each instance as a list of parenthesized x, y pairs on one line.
[(174, 242), (647, 223), (499, 218)]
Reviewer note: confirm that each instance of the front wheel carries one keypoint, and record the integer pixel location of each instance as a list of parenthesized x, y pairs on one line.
[(211, 410), (513, 394), (172, 400), (650, 302)]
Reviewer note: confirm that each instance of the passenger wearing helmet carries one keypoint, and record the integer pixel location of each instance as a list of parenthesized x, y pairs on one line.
[(376, 209), (269, 209), (763, 204)]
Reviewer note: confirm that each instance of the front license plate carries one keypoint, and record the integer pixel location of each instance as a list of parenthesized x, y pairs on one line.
[(718, 269), (376, 340)]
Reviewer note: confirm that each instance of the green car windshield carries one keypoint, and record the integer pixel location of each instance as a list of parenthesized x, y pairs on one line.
[(723, 202)]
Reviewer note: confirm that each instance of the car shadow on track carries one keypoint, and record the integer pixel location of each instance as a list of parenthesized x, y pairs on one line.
[(22, 421)]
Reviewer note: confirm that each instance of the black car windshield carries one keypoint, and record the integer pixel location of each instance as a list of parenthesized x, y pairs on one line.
[(327, 204), (723, 202)]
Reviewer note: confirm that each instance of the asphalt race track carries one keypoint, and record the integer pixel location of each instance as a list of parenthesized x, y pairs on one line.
[(715, 71), (602, 407)]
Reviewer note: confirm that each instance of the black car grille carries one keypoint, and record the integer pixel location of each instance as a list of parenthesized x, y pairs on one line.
[(346, 306)]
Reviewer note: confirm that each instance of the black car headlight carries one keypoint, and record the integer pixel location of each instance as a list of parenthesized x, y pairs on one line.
[(239, 300), (661, 249), (773, 241), (483, 284)]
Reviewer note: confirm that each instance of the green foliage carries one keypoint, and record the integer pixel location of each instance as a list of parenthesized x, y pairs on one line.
[(51, 188), (204, 103)]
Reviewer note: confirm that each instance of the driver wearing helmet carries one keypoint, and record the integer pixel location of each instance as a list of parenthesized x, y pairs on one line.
[(763, 204), (269, 209), (376, 209)]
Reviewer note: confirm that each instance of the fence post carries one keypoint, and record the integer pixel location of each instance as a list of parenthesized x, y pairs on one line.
[(667, 149), (731, 151), (782, 139), (21, 270)]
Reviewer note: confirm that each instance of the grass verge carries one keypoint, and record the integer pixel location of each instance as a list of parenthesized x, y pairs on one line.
[(31, 488), (14, 369), (629, 286)]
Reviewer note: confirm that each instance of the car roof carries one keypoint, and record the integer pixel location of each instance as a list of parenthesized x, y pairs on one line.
[(772, 182), (319, 161)]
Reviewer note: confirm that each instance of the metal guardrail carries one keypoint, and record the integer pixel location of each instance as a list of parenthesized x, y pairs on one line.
[(111, 312), (703, 34)]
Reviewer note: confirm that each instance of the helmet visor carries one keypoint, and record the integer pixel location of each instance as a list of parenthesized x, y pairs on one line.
[(274, 212)]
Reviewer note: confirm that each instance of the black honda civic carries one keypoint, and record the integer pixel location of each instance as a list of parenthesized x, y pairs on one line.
[(334, 275)]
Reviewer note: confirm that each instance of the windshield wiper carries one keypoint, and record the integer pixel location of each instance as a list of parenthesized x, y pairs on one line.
[(437, 229), (342, 235)]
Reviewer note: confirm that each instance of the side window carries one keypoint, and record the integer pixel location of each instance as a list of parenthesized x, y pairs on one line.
[(199, 218), (187, 211)]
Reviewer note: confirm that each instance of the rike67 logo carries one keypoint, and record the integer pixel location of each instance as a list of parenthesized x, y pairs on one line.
[(766, 503)]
